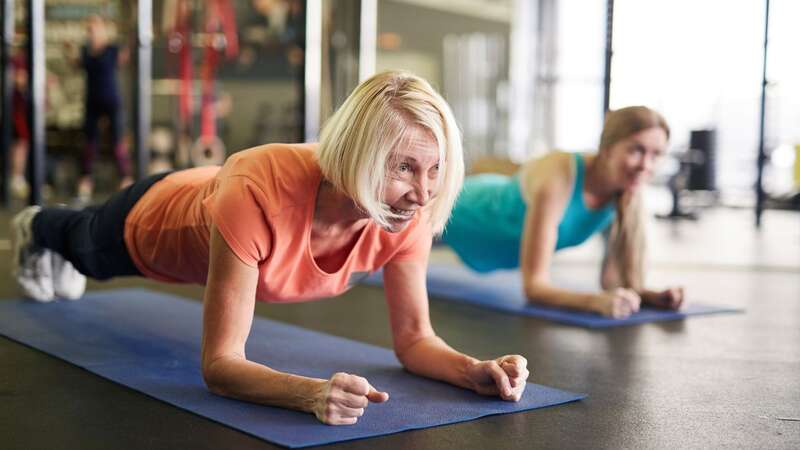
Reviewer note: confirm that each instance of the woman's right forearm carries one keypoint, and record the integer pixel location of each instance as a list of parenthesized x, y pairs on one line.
[(546, 294), (238, 378)]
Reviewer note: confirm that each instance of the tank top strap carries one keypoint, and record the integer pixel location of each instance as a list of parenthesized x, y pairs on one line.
[(577, 186)]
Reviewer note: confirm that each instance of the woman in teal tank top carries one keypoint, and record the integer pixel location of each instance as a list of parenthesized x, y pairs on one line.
[(559, 201)]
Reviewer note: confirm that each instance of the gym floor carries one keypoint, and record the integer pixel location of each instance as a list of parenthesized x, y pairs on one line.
[(730, 380)]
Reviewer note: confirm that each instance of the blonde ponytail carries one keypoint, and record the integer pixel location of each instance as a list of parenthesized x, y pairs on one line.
[(626, 247)]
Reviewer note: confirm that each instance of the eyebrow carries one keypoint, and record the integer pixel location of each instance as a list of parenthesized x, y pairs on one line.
[(408, 158), (651, 149)]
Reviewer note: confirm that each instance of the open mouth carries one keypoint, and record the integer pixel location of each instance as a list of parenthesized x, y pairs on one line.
[(403, 213)]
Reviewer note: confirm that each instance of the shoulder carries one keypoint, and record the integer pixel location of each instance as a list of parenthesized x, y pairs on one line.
[(550, 175), (281, 171), (272, 160)]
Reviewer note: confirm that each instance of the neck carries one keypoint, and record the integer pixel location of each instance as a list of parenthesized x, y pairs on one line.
[(97, 42), (335, 212)]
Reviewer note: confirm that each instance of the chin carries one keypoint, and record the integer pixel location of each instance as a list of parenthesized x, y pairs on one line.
[(634, 184), (633, 187), (396, 227)]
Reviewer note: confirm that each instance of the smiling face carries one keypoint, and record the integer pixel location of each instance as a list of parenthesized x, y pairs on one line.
[(412, 177), (631, 160)]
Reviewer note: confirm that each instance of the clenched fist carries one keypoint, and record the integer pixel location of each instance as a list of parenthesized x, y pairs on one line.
[(504, 377), (344, 397), (618, 303)]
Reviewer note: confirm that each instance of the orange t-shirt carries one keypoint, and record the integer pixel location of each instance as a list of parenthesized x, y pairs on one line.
[(262, 202)]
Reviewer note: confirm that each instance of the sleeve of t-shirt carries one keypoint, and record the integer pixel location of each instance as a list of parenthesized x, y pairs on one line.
[(417, 247), (237, 209)]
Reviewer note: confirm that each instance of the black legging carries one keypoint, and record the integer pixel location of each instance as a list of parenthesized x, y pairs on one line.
[(93, 238), (112, 109)]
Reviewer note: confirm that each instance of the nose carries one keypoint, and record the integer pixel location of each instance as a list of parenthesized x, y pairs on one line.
[(647, 163), (422, 190)]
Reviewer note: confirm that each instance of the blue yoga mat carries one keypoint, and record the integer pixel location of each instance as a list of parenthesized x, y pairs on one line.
[(501, 290), (150, 342)]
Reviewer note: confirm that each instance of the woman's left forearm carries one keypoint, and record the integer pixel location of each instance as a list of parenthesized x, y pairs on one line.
[(670, 298), (649, 296), (431, 357)]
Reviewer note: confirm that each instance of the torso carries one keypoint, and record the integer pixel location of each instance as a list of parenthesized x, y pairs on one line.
[(330, 250), (487, 223), (262, 202)]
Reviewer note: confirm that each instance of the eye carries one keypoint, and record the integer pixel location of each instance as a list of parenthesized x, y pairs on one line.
[(637, 149), (404, 167)]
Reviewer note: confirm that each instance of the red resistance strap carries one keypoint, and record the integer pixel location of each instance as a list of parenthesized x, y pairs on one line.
[(182, 36), (219, 15)]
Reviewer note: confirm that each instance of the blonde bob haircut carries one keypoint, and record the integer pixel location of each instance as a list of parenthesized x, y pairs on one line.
[(358, 142)]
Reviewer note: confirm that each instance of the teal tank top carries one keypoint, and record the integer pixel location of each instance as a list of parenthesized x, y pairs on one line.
[(485, 228)]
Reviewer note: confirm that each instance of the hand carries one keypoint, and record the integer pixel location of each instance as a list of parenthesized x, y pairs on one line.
[(671, 298), (344, 398), (504, 377), (618, 303)]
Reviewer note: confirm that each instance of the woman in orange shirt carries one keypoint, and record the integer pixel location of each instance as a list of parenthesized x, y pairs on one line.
[(287, 223)]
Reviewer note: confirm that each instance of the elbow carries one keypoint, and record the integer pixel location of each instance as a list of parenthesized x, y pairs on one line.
[(533, 290), (214, 377), (608, 281), (541, 292), (212, 381), (529, 289), (404, 349), (402, 357), (535, 284)]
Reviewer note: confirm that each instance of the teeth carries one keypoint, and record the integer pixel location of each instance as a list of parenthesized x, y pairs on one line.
[(402, 212)]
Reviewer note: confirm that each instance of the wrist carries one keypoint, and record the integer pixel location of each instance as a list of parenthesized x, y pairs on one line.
[(310, 393), (468, 369), (595, 303), (650, 297)]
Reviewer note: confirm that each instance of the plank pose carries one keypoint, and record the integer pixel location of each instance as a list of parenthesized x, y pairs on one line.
[(287, 223), (522, 218)]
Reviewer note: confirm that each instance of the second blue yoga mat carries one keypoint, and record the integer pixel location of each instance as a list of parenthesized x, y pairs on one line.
[(150, 342), (501, 290)]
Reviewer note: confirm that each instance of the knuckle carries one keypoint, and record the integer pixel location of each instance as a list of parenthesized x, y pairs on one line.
[(334, 397), (362, 382), (359, 385), (339, 379)]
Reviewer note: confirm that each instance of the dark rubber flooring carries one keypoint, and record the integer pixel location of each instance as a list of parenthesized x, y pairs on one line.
[(707, 382)]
